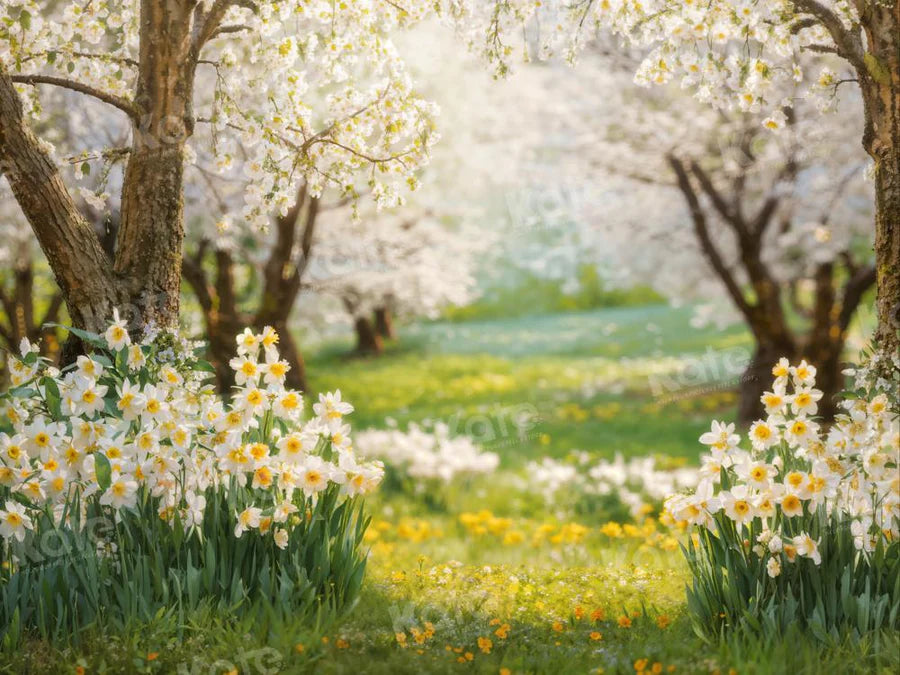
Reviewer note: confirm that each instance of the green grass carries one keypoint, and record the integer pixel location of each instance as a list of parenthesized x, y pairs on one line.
[(526, 294), (588, 377)]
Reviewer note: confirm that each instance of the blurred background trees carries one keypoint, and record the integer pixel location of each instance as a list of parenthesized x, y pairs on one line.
[(554, 189)]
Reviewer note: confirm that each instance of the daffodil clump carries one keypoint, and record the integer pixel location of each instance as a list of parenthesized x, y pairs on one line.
[(803, 527), (127, 484)]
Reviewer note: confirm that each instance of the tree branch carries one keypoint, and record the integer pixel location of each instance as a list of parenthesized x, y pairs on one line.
[(210, 23), (729, 215), (282, 275), (701, 229), (763, 217), (821, 49), (855, 287), (306, 242), (849, 44), (227, 30), (122, 104)]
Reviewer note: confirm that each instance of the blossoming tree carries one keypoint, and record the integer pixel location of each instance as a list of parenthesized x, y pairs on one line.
[(735, 54), (778, 223), (144, 59), (279, 257), (369, 261), (408, 264)]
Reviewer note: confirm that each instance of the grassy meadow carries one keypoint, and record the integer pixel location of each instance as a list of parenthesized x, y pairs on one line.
[(486, 577)]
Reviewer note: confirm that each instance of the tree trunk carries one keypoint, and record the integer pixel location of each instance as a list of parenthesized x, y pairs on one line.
[(18, 304), (368, 342), (887, 252), (148, 246), (222, 348), (825, 343), (384, 323), (757, 379), (281, 274), (150, 237), (143, 281), (82, 269), (220, 315), (880, 84)]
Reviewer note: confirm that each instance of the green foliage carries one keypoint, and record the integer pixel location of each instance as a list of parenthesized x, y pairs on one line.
[(849, 595), (118, 571)]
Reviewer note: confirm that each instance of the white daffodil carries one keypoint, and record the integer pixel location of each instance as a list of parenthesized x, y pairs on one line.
[(131, 400), (87, 368), (117, 334), (288, 405), (269, 341), (807, 547), (763, 435), (330, 407), (247, 343), (136, 358), (721, 437), (801, 432), (14, 521), (156, 407), (803, 374), (245, 370), (274, 372), (122, 492), (314, 475), (775, 401), (737, 504), (805, 401), (246, 520)]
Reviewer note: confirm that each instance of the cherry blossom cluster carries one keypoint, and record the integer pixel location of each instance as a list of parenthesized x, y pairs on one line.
[(796, 473), (130, 422), (732, 53)]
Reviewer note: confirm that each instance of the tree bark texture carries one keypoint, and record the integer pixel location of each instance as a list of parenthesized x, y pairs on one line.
[(880, 84)]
